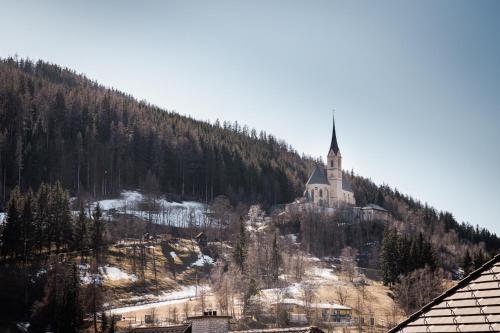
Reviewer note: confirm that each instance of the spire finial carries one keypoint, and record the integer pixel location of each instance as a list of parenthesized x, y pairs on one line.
[(333, 144)]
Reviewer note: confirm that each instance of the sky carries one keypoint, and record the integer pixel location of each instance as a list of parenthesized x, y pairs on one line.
[(415, 85)]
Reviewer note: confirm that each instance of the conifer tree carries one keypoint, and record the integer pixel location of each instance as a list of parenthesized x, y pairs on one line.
[(240, 248), (42, 217), (71, 312), (479, 259), (12, 229), (81, 240), (389, 256), (60, 217), (104, 322), (97, 242), (467, 263), (27, 224), (97, 233), (275, 259)]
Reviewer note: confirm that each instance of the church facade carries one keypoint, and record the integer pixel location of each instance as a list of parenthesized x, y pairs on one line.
[(329, 187)]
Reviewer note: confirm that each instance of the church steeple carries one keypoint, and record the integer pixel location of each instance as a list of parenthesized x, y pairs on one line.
[(334, 146)]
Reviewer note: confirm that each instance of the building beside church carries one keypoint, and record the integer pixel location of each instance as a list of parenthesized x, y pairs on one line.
[(329, 187)]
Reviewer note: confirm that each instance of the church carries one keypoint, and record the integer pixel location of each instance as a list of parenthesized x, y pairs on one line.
[(330, 187)]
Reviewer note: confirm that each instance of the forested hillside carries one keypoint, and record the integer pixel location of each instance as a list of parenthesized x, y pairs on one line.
[(451, 240), (56, 125)]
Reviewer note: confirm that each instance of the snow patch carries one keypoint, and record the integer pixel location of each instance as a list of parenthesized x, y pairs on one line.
[(166, 298), (323, 274), (86, 277), (115, 274), (203, 260), (178, 214)]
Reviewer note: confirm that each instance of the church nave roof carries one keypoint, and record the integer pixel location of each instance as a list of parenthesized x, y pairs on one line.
[(318, 176)]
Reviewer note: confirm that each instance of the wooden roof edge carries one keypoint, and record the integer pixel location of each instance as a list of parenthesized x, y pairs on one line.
[(447, 293)]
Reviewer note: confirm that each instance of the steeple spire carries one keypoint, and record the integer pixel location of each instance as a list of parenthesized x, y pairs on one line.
[(334, 146)]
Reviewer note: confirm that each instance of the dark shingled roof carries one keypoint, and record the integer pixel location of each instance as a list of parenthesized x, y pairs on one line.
[(184, 328), (473, 305), (318, 176), (333, 144), (308, 329)]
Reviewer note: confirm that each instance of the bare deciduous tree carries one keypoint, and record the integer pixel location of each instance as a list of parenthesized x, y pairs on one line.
[(308, 296), (349, 265), (342, 295)]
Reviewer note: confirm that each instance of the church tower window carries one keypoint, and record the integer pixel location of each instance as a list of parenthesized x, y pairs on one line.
[(321, 193)]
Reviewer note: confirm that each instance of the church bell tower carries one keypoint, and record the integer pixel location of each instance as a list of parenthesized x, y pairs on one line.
[(334, 171)]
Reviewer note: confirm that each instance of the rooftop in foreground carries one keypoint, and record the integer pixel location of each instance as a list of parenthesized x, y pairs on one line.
[(473, 305)]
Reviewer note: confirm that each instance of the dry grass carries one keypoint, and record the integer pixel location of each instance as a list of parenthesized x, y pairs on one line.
[(371, 300), (170, 270)]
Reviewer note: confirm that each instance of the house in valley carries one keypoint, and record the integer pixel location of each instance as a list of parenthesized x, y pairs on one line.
[(327, 313), (210, 322)]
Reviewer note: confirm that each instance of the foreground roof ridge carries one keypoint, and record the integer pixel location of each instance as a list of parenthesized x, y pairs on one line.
[(447, 293)]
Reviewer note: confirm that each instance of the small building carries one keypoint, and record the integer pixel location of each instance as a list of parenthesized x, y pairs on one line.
[(333, 314), (209, 322), (184, 328), (473, 305), (374, 212)]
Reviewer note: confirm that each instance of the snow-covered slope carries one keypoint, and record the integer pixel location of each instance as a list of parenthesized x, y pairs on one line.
[(161, 211)]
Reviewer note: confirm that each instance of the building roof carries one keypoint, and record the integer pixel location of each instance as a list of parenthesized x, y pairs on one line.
[(333, 145), (318, 176), (184, 328), (308, 329), (314, 305), (473, 305), (209, 317), (374, 206)]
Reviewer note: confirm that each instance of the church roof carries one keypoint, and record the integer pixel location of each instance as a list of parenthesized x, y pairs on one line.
[(346, 184), (318, 176), (333, 145), (472, 305)]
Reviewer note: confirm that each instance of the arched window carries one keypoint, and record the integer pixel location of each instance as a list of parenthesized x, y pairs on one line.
[(312, 195), (331, 163), (321, 193)]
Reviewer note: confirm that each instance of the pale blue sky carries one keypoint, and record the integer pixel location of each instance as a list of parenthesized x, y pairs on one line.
[(416, 85)]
